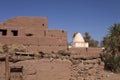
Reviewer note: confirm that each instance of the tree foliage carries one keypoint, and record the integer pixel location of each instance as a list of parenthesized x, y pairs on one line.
[(112, 63), (111, 42), (92, 42)]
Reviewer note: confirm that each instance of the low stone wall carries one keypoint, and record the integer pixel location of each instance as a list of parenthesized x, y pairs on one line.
[(57, 67), (86, 51)]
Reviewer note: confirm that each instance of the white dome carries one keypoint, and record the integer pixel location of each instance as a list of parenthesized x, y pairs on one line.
[(78, 38)]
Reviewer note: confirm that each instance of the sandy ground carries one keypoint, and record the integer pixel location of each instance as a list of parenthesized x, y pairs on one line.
[(111, 76)]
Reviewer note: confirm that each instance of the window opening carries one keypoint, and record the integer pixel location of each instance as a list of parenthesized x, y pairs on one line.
[(16, 69), (29, 34), (15, 32), (16, 73), (4, 32), (51, 35), (43, 24), (63, 31)]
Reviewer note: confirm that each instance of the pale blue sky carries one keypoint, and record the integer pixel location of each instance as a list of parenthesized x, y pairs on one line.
[(93, 16)]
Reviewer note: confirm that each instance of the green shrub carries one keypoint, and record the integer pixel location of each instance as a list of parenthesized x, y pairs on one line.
[(112, 62), (111, 42)]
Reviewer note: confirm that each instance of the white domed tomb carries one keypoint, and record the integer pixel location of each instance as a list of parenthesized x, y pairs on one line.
[(78, 41)]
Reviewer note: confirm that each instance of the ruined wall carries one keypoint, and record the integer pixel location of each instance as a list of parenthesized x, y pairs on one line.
[(2, 70), (57, 67), (89, 69)]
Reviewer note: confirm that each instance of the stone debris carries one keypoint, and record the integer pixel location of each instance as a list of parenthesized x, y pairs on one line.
[(87, 70)]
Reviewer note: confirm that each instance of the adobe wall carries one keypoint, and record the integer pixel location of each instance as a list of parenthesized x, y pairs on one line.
[(38, 22), (33, 33), (45, 49), (37, 44), (56, 33), (38, 38), (55, 67), (23, 31), (86, 51), (44, 33), (19, 40), (2, 69), (40, 70)]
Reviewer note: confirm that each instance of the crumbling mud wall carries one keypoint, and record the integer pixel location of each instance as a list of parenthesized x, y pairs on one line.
[(44, 69), (89, 69), (56, 67)]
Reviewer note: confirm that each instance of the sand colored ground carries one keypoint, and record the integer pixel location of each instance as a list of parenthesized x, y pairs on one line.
[(111, 76)]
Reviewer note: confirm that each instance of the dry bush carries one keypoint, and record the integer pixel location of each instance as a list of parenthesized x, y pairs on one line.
[(64, 53), (17, 48)]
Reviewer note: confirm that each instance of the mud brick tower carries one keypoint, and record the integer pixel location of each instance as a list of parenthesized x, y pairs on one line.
[(33, 33)]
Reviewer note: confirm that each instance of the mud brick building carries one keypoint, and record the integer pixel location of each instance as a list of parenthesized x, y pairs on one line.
[(33, 33)]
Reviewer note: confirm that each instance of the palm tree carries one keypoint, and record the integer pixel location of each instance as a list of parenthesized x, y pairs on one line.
[(115, 37), (92, 42), (112, 41), (87, 37), (112, 44)]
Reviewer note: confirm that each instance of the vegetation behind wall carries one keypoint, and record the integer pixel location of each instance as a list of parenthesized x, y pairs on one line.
[(111, 55)]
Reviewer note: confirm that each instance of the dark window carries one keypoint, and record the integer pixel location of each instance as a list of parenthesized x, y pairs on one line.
[(32, 55), (51, 35), (63, 31), (15, 32), (4, 32), (24, 54), (29, 34), (43, 24), (2, 59), (17, 69), (59, 45)]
